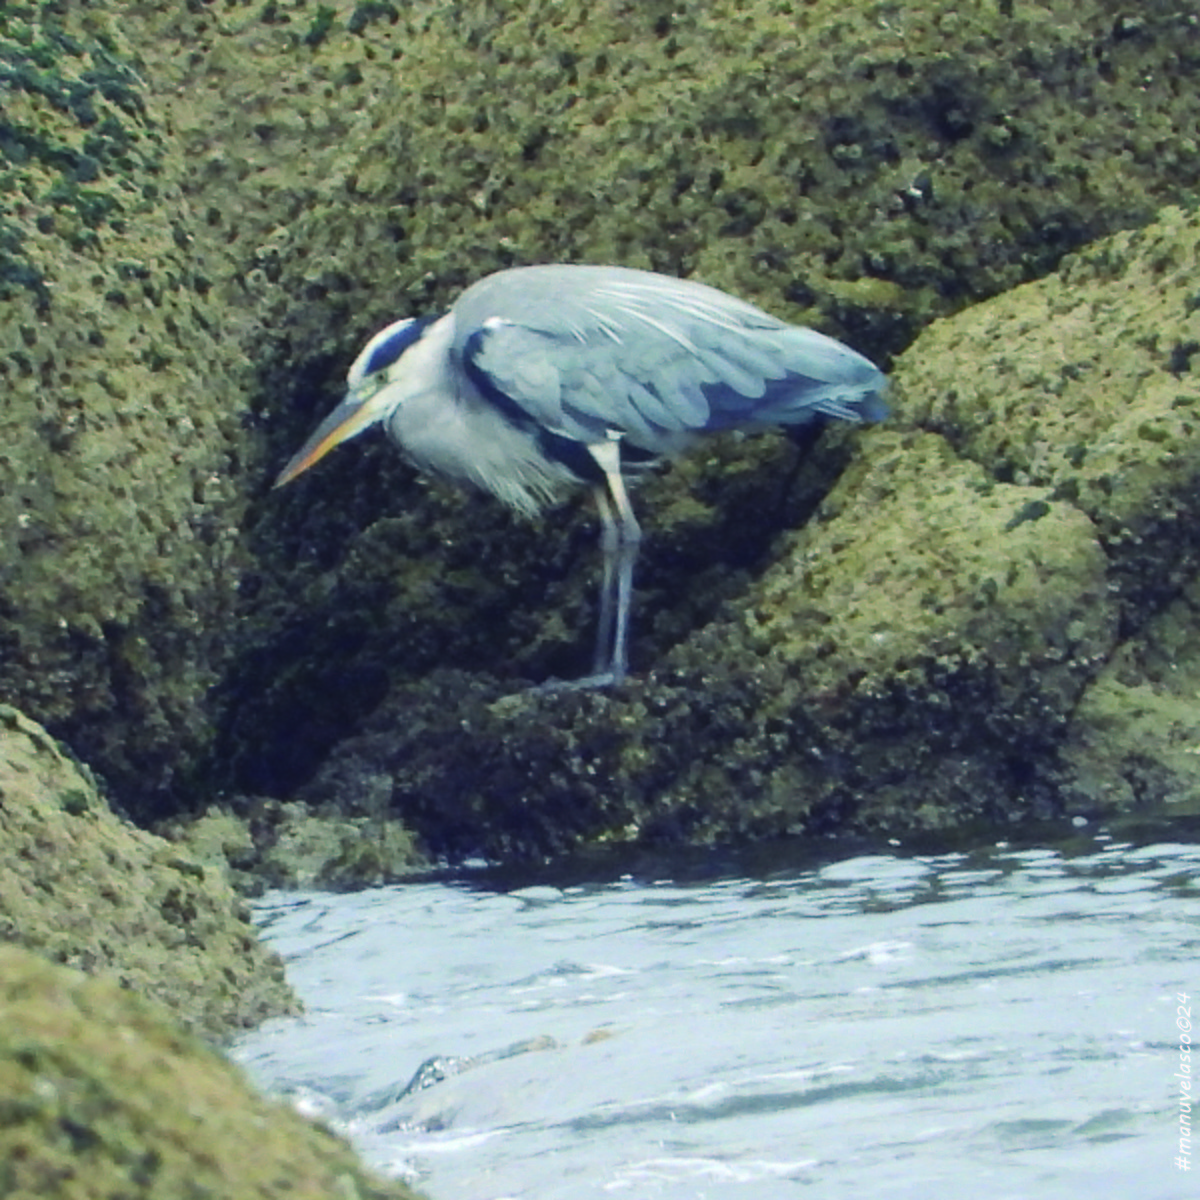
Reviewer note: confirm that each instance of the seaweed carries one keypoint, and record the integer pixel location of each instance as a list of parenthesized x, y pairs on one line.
[(318, 31), (94, 151), (372, 10), (17, 274)]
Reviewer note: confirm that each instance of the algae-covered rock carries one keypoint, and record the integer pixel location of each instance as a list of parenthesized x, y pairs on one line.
[(1087, 387), (121, 446), (1133, 744), (1084, 385), (104, 1096), (207, 207), (868, 163), (937, 645), (860, 167), (83, 888), (908, 661), (268, 843)]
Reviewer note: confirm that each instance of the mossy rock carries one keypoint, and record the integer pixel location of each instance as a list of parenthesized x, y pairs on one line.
[(923, 653), (83, 888), (104, 1095), (207, 207)]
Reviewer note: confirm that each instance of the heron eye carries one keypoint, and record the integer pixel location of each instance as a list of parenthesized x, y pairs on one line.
[(368, 385)]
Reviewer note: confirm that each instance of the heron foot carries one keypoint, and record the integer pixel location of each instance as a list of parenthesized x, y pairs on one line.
[(599, 680)]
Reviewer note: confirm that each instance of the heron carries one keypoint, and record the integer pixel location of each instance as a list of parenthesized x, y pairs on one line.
[(541, 379)]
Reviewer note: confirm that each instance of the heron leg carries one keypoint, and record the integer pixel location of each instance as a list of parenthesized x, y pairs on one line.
[(609, 540), (805, 438), (619, 540)]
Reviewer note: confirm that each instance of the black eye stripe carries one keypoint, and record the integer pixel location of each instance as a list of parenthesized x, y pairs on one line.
[(391, 348)]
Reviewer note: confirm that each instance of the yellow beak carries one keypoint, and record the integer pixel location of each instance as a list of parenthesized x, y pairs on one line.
[(351, 417)]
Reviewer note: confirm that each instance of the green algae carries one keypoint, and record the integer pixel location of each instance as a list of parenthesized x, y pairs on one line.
[(84, 123), (81, 887), (17, 273), (104, 1095), (95, 478), (366, 14), (322, 23)]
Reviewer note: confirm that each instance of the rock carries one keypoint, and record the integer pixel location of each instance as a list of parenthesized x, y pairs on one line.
[(208, 208), (119, 477), (83, 888), (1085, 388), (1000, 580), (273, 844), (104, 1095)]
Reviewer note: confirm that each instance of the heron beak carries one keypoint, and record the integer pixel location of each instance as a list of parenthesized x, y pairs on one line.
[(351, 417)]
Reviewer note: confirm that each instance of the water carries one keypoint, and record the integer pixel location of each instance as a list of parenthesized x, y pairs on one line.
[(991, 1025)]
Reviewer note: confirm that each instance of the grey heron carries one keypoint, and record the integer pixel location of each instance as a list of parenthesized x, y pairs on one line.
[(544, 378)]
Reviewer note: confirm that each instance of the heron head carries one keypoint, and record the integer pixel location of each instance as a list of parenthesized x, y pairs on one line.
[(368, 399)]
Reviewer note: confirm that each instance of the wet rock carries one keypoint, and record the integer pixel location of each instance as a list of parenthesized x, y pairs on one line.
[(120, 441), (210, 207), (1083, 387), (83, 888), (267, 843), (104, 1095), (930, 650)]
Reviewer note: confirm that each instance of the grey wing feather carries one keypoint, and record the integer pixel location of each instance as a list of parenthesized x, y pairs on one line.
[(585, 351)]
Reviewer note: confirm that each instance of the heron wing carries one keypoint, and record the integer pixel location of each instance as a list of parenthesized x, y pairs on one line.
[(586, 352)]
